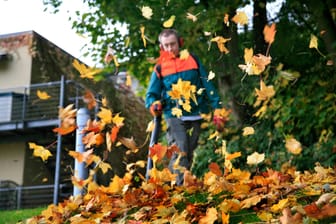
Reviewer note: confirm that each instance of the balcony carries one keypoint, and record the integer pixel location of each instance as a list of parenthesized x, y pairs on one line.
[(22, 109)]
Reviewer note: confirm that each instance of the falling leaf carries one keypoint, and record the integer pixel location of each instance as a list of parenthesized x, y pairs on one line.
[(226, 20), (110, 55), (313, 41), (314, 44), (147, 12), (129, 143), (128, 80), (114, 133), (240, 18), (269, 33), (191, 17), (40, 151), (221, 43), (184, 54), (211, 75), (293, 146), (117, 120), (105, 115), (89, 99), (248, 131), (42, 95), (157, 151), (104, 167), (265, 92), (170, 22), (85, 72), (143, 37), (255, 158), (177, 112)]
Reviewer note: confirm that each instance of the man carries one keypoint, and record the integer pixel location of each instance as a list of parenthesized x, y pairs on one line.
[(183, 129)]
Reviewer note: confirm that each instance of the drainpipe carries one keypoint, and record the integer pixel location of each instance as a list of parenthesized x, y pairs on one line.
[(81, 172), (59, 145)]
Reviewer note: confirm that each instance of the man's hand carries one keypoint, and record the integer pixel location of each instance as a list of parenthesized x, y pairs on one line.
[(156, 108)]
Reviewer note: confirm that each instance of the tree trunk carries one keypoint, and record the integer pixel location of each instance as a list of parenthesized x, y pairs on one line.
[(326, 24), (259, 22)]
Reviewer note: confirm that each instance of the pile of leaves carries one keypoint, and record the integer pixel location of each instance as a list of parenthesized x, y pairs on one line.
[(277, 197)]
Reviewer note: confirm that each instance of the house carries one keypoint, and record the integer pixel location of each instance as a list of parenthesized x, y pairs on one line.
[(30, 63)]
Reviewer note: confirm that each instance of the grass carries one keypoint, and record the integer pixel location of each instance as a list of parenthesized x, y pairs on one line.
[(16, 216)]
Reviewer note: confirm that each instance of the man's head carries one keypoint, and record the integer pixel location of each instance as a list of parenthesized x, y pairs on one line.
[(170, 41)]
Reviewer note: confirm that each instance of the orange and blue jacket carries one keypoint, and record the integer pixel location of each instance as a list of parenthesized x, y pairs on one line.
[(168, 72)]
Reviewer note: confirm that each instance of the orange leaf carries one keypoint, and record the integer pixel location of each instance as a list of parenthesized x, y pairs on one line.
[(114, 133), (171, 150), (214, 167), (158, 151), (269, 33), (64, 130), (89, 99)]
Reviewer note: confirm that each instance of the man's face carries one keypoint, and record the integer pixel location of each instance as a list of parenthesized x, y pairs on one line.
[(170, 44)]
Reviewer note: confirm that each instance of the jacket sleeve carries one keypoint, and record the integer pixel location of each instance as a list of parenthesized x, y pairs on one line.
[(154, 90), (211, 91)]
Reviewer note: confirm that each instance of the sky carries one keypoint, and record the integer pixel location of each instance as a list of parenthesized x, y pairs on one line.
[(26, 15)]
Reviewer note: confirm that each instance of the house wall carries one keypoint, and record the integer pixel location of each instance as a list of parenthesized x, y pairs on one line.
[(12, 161), (16, 71)]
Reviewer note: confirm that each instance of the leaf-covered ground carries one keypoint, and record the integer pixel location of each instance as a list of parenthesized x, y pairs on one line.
[(275, 197)]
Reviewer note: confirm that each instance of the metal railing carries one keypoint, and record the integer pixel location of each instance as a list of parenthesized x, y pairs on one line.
[(20, 107), (21, 197)]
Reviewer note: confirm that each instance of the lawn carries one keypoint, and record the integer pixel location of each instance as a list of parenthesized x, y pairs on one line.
[(16, 216)]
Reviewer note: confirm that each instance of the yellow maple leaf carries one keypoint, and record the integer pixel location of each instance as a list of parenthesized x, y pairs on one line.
[(280, 205), (265, 92), (105, 115), (248, 131), (221, 43), (40, 151), (265, 216), (293, 146), (177, 112), (255, 158), (104, 167), (240, 18), (170, 22), (184, 54), (147, 12), (269, 33), (42, 95), (84, 71), (117, 120)]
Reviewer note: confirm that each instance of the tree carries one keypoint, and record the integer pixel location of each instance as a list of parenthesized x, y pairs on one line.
[(294, 71)]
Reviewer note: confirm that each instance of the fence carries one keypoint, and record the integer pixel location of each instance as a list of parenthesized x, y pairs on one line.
[(13, 196)]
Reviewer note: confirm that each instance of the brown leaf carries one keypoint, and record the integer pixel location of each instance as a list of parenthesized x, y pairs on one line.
[(288, 218)]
